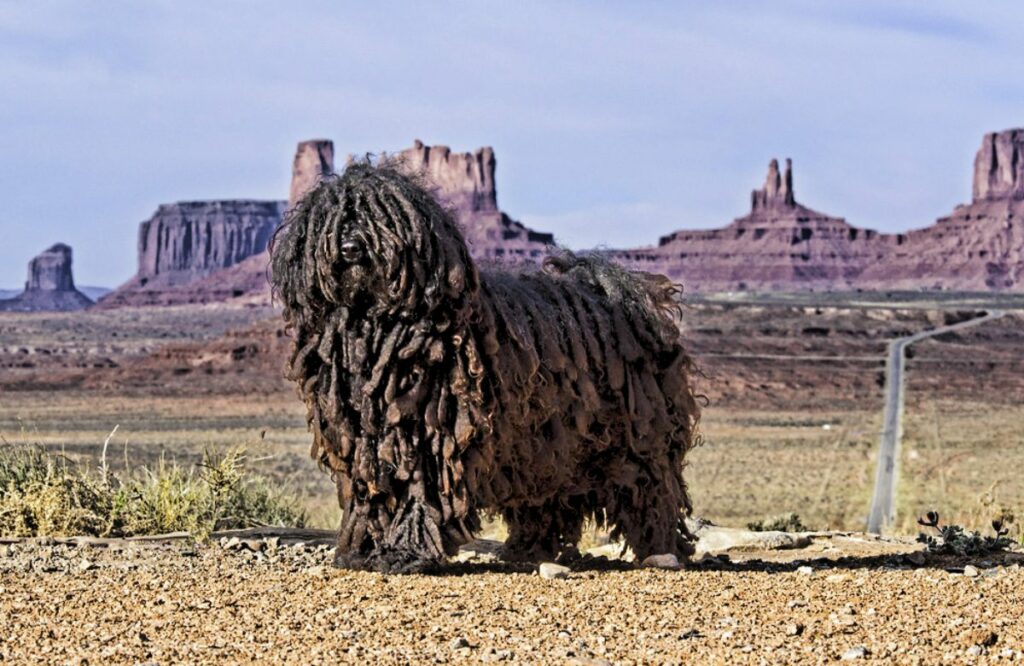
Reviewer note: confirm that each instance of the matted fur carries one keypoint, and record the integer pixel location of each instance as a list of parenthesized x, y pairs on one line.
[(436, 390)]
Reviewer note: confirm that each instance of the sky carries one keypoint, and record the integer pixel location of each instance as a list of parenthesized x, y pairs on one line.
[(613, 122)]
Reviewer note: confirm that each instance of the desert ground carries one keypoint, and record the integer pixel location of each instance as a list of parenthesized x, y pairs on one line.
[(794, 395)]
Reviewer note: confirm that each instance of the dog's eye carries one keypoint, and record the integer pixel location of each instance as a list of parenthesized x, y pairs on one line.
[(351, 251)]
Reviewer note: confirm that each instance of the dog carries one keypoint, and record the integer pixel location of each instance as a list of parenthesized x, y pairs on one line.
[(438, 391)]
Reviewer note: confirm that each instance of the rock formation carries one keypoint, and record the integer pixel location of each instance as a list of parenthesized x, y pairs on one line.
[(999, 166), (198, 252), (187, 241), (980, 245), (780, 244), (777, 191), (465, 183), (314, 159), (50, 285), (210, 251)]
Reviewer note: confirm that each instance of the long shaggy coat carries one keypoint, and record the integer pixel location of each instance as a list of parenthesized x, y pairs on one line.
[(437, 390)]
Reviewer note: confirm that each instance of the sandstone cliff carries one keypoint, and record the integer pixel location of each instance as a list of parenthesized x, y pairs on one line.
[(314, 159), (465, 182), (187, 241), (198, 252), (780, 244), (980, 245), (50, 284), (999, 166)]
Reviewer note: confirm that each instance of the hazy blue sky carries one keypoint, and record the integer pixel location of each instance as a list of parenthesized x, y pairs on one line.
[(613, 123)]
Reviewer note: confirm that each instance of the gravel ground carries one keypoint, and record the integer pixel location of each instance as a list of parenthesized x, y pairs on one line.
[(200, 604)]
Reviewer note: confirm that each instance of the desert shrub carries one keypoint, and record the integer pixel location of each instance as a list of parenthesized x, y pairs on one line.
[(955, 540), (42, 494), (787, 522)]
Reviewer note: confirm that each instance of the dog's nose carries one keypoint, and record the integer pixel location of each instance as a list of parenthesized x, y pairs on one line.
[(351, 251)]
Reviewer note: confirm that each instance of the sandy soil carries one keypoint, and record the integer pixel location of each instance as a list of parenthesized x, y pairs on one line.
[(187, 604)]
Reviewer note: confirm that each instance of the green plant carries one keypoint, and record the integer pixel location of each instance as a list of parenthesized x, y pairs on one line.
[(955, 540), (44, 494), (787, 522)]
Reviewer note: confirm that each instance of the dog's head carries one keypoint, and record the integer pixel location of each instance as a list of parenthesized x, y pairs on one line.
[(372, 240)]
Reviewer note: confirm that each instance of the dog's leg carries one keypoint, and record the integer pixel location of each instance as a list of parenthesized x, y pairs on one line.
[(647, 511), (401, 531), (540, 534)]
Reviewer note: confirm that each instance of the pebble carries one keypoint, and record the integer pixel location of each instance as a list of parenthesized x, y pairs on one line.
[(975, 651), (459, 643), (805, 571), (971, 571), (917, 557), (553, 571), (85, 565), (858, 652), (794, 629), (493, 654)]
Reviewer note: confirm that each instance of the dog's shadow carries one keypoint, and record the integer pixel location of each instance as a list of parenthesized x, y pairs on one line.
[(590, 565)]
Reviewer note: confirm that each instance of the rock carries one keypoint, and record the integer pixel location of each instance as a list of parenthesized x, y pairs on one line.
[(458, 643), (777, 191), (491, 655), (85, 565), (185, 242), (713, 539), (858, 652), (314, 159), (50, 285), (666, 561), (552, 571), (971, 571), (999, 165), (782, 245), (465, 182), (917, 558), (975, 651), (190, 239), (794, 629), (805, 571), (979, 636)]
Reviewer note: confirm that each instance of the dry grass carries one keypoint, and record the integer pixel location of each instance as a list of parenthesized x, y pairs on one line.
[(963, 460), (175, 431), (43, 494), (755, 465)]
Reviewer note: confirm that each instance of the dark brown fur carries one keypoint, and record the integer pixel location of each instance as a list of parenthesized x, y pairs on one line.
[(437, 391)]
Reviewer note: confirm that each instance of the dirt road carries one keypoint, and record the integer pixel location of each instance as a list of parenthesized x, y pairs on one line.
[(883, 509)]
